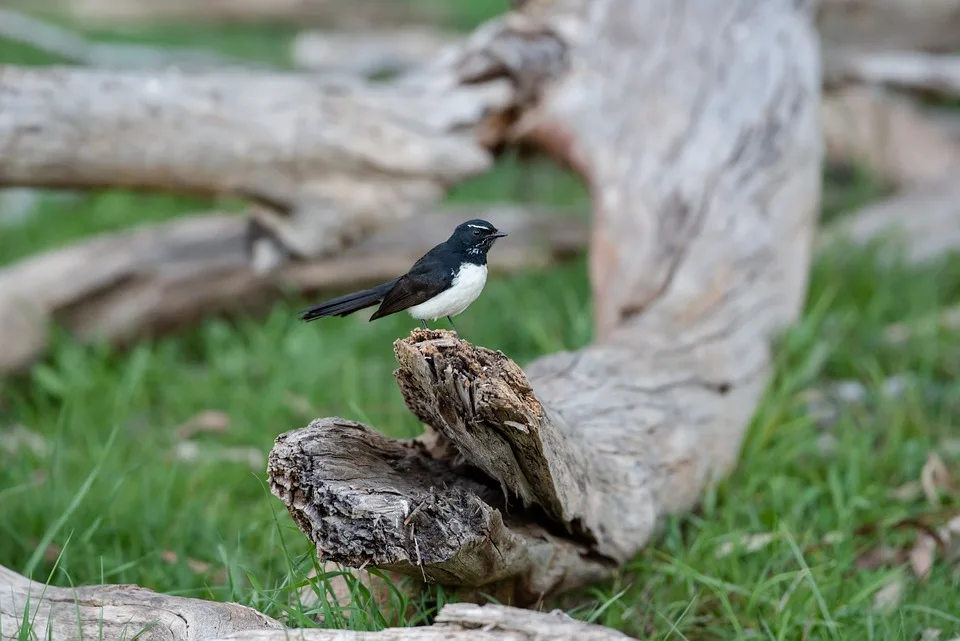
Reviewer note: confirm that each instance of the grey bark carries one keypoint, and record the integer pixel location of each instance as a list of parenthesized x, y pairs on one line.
[(117, 612)]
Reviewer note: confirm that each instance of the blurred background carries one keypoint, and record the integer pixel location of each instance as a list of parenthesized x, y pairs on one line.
[(145, 463)]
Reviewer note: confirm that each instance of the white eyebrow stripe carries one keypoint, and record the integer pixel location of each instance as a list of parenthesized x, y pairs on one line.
[(479, 227)]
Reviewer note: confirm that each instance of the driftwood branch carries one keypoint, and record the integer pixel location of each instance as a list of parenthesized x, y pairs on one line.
[(331, 13), (328, 161), (890, 25), (924, 221), (705, 200), (156, 278), (931, 74), (369, 52), (116, 612), (889, 135), (72, 47)]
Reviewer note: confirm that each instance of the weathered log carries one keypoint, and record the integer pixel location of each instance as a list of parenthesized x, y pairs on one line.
[(332, 13), (70, 46), (930, 74), (887, 134), (116, 612), (157, 278), (466, 622), (369, 52), (924, 222), (886, 25), (331, 159), (705, 194)]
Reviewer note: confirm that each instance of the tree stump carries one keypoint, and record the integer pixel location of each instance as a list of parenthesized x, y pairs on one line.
[(696, 125)]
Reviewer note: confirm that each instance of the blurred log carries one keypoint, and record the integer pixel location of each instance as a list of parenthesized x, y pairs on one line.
[(114, 612), (331, 13), (924, 221), (887, 134), (885, 25), (369, 52), (117, 612), (937, 75), (706, 196), (70, 46), (328, 160), (158, 278)]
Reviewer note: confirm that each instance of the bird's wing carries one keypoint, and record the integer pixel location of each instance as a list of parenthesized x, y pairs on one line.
[(427, 278)]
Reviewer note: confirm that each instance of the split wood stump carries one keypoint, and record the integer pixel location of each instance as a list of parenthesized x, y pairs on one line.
[(696, 125)]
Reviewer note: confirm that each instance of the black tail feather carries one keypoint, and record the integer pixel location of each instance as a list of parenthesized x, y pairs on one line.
[(347, 304)]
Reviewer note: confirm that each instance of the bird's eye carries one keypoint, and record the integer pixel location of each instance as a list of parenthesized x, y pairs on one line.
[(476, 232)]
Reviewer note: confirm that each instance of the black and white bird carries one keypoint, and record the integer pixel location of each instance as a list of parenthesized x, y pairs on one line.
[(444, 282)]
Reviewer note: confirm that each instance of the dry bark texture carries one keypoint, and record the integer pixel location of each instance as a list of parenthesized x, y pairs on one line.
[(705, 199), (114, 612), (117, 612), (157, 278)]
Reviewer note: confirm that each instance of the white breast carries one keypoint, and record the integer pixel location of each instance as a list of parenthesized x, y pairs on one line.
[(467, 285)]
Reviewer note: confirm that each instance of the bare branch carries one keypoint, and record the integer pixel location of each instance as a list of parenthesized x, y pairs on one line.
[(72, 47), (370, 52), (890, 25), (937, 75), (332, 13), (925, 220), (887, 134), (114, 612)]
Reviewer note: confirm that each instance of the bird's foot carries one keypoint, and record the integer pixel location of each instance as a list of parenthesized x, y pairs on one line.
[(453, 326)]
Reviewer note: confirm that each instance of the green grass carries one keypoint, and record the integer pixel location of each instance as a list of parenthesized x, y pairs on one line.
[(108, 502)]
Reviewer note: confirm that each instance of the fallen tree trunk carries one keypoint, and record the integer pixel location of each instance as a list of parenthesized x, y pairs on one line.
[(114, 612), (888, 25), (369, 52), (72, 47), (327, 160), (331, 13), (924, 222), (887, 134), (705, 200), (929, 74), (158, 278)]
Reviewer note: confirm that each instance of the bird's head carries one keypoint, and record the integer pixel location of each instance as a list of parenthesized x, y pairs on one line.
[(476, 236)]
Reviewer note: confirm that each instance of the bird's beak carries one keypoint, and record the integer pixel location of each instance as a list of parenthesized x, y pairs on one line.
[(498, 234)]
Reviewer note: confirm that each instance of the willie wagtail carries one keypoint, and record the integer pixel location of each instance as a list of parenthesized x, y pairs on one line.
[(443, 283)]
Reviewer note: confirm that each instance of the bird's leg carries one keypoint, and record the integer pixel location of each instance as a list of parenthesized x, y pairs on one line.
[(423, 323), (453, 326)]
